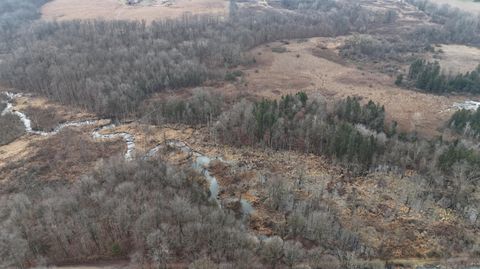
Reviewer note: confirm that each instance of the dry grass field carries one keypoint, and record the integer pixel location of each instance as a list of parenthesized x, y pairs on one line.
[(465, 5), (315, 67), (116, 10), (458, 58)]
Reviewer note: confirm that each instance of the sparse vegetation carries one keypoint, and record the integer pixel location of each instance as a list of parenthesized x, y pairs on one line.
[(43, 119)]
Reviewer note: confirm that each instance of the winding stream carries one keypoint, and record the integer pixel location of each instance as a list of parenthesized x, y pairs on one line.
[(96, 134), (200, 162)]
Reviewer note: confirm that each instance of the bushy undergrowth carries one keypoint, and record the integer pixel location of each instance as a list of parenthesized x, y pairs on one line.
[(11, 128)]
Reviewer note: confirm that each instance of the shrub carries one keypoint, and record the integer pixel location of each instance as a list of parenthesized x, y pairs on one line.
[(399, 80), (279, 49), (232, 76), (43, 119), (11, 128)]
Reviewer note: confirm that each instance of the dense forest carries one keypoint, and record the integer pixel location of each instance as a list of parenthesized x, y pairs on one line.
[(157, 214), (14, 15), (456, 26), (429, 76), (110, 67)]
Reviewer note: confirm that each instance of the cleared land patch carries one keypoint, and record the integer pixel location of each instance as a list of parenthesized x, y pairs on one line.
[(116, 10), (457, 58)]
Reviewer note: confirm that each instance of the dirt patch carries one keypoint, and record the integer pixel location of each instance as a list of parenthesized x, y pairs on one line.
[(116, 10), (301, 69), (17, 150)]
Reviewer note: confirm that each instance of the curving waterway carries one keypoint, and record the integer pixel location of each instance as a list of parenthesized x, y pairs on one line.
[(200, 162)]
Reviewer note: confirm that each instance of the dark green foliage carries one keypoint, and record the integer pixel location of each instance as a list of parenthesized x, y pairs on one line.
[(371, 115), (303, 97), (279, 49), (265, 114), (116, 250), (353, 135), (232, 76), (349, 144), (457, 153), (399, 80), (467, 122), (428, 76), (294, 123)]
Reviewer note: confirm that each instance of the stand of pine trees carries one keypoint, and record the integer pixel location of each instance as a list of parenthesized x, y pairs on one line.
[(467, 122), (429, 77)]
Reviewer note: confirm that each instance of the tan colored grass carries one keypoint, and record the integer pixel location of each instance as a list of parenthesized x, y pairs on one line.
[(458, 58), (116, 10), (302, 68)]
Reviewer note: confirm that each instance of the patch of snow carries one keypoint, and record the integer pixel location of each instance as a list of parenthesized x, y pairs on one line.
[(468, 105)]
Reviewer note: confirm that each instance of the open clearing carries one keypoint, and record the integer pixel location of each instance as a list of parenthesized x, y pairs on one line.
[(314, 66), (115, 10), (458, 58), (465, 5)]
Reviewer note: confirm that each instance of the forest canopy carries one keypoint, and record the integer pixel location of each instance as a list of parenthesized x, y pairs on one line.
[(109, 67)]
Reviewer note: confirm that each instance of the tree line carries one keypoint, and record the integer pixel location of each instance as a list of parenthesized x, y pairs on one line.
[(297, 123), (429, 76), (352, 133), (456, 25)]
